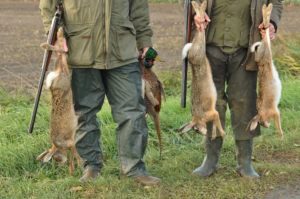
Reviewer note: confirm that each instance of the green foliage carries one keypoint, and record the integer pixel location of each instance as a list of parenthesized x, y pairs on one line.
[(21, 176), (287, 54)]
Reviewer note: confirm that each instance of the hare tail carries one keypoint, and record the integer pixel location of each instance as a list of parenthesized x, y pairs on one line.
[(254, 46), (186, 49), (51, 76)]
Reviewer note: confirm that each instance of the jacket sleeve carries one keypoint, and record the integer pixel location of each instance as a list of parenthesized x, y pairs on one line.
[(276, 12), (139, 15), (47, 9)]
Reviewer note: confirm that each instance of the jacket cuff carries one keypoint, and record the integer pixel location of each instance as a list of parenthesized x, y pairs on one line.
[(144, 42), (274, 24)]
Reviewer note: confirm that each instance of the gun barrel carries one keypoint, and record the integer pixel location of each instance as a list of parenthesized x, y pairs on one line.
[(187, 36), (46, 61)]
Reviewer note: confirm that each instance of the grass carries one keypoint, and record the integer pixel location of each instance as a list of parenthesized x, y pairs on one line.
[(21, 176)]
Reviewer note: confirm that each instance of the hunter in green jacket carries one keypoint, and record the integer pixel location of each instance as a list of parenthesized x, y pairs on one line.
[(104, 38), (232, 27)]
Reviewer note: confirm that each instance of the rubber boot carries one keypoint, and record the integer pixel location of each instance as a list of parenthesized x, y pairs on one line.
[(209, 165), (244, 154)]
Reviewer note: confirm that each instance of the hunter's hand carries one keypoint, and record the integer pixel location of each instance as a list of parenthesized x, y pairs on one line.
[(262, 30), (201, 23), (143, 52)]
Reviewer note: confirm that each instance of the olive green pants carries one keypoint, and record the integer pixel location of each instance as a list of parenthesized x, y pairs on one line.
[(235, 87), (122, 86)]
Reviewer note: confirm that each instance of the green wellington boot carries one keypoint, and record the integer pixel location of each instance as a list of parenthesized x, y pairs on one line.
[(209, 165), (244, 154)]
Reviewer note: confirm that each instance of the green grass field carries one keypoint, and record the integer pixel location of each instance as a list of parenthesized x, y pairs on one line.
[(21, 176)]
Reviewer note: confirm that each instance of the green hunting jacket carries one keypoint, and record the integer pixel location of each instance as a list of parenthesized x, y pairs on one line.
[(256, 19), (102, 34)]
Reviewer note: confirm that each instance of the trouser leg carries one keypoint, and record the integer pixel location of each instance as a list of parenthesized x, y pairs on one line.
[(123, 88), (241, 93), (89, 93)]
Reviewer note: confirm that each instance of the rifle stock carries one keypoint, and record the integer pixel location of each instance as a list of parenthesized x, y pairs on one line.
[(187, 38), (46, 61)]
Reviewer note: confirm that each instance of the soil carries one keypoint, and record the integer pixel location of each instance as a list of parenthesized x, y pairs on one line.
[(21, 33)]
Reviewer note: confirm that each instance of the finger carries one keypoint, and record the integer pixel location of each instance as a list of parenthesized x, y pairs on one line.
[(272, 36), (206, 17)]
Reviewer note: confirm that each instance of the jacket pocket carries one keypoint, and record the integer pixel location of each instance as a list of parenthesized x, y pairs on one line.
[(80, 45), (79, 11), (244, 39), (124, 41)]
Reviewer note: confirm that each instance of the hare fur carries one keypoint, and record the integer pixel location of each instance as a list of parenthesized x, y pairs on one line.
[(269, 84), (63, 122), (204, 94)]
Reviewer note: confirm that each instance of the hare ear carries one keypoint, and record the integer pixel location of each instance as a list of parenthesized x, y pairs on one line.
[(196, 6), (269, 8), (203, 5)]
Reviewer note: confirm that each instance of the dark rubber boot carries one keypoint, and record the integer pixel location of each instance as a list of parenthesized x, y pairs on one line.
[(209, 165), (244, 154)]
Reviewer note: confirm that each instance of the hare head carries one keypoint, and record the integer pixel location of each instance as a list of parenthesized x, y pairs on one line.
[(266, 12), (200, 8)]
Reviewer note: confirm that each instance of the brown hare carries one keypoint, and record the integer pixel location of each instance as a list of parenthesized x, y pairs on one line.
[(63, 121), (153, 94), (269, 85), (204, 94)]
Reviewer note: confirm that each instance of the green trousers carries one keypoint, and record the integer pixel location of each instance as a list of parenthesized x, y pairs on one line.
[(235, 87), (122, 86)]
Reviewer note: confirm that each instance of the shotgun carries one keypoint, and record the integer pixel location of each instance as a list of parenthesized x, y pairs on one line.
[(56, 21), (187, 38)]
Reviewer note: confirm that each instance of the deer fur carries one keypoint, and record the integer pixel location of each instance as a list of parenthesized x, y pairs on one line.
[(63, 121), (269, 85), (204, 94), (153, 93)]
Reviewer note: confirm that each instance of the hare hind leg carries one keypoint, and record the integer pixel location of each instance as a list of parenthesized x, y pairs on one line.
[(71, 157), (277, 123), (47, 155), (213, 116)]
